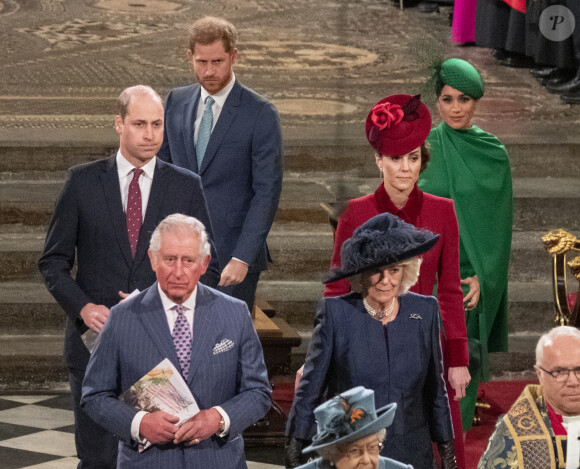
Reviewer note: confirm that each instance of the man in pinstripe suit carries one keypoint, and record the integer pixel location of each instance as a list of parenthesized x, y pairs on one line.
[(222, 364)]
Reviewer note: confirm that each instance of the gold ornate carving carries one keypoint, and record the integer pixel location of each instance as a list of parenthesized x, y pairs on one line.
[(558, 242), (574, 265)]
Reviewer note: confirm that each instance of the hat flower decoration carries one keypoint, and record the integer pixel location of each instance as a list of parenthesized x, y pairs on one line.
[(343, 419), (384, 115), (349, 417), (398, 124)]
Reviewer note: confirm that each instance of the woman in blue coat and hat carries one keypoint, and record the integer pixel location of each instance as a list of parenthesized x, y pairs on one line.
[(381, 337), (351, 433)]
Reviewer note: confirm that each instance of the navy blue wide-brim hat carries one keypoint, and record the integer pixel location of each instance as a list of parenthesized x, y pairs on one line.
[(383, 240), (349, 417)]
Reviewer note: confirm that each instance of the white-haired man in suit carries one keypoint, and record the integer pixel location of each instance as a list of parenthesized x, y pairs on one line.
[(223, 363)]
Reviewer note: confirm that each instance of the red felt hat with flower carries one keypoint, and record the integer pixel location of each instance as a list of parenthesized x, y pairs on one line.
[(398, 124)]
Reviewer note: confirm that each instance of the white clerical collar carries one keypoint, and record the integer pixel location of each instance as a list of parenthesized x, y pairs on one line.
[(572, 426)]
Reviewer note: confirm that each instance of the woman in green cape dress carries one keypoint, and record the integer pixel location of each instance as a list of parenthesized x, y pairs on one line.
[(472, 167)]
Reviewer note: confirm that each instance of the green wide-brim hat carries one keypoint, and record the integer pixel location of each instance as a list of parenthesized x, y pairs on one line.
[(462, 76)]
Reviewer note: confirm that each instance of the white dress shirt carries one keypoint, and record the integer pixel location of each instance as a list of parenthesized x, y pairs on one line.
[(219, 98), (171, 315), (572, 426), (124, 170)]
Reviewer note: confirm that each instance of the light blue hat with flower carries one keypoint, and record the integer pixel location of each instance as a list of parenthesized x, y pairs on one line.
[(348, 417)]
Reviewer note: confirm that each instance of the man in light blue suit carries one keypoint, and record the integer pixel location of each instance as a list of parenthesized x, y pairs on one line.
[(222, 361), (231, 137)]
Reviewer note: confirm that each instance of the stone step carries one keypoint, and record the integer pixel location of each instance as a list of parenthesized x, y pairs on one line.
[(39, 358), (530, 303), (527, 160), (27, 307), (350, 156), (49, 158), (540, 203), (33, 331), (301, 251), (32, 358)]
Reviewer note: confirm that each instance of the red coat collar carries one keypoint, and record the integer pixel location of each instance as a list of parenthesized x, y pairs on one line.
[(409, 213)]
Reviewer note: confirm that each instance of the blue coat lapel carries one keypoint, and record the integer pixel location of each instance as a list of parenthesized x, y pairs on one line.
[(203, 330), (154, 321), (187, 129), (112, 191), (224, 122)]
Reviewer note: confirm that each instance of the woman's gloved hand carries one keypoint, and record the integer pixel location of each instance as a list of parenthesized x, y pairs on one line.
[(293, 451), (447, 455)]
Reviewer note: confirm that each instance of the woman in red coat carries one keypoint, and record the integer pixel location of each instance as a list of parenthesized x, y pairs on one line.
[(397, 128)]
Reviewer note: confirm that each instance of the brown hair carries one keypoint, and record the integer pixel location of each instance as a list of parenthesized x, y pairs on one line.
[(210, 29), (425, 156)]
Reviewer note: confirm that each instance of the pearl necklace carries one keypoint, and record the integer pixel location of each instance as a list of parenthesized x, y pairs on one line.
[(379, 314)]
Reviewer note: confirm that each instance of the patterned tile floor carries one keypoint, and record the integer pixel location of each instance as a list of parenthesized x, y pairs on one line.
[(37, 431)]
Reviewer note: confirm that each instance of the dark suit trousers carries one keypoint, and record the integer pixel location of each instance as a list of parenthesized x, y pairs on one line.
[(96, 447), (245, 291)]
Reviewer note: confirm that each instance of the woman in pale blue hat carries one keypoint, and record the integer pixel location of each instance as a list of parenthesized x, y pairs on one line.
[(351, 433)]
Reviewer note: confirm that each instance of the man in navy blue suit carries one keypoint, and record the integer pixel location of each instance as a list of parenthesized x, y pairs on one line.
[(207, 335), (230, 136), (90, 223)]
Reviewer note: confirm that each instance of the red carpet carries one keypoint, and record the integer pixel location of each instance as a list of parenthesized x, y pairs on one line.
[(500, 395)]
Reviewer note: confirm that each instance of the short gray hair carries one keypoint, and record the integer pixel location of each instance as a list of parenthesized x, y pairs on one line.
[(333, 453), (410, 267), (178, 223), (549, 337)]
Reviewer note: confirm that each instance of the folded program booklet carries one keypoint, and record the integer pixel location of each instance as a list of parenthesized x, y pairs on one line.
[(163, 388)]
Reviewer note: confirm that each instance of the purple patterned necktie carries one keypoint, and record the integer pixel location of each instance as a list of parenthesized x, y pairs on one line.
[(182, 339), (134, 210)]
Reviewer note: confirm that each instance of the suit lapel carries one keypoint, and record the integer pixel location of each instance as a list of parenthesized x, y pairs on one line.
[(154, 204), (203, 330), (154, 321), (112, 190), (187, 130), (227, 116)]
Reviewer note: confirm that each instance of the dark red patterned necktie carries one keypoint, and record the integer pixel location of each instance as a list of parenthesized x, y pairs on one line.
[(134, 210)]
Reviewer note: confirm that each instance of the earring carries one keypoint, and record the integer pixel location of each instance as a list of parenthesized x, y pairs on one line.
[(380, 173)]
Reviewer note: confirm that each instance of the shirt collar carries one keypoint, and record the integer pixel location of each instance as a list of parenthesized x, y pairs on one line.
[(124, 167), (409, 212), (221, 96), (168, 304)]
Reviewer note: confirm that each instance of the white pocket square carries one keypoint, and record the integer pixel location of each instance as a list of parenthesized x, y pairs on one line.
[(223, 346)]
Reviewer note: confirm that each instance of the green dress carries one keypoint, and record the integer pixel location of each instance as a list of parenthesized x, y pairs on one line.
[(472, 168)]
